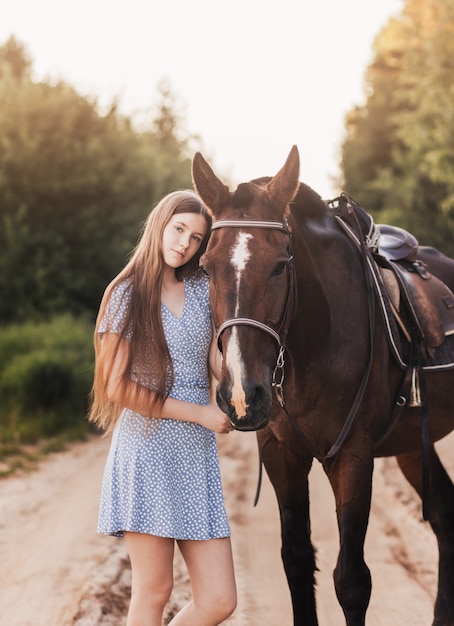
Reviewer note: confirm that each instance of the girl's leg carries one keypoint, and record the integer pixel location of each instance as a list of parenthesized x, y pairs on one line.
[(210, 568), (152, 577)]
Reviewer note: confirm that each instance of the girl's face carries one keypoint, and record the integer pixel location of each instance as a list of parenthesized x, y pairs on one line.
[(182, 236)]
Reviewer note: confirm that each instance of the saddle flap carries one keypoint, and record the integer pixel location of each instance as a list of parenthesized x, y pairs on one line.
[(391, 285), (431, 303)]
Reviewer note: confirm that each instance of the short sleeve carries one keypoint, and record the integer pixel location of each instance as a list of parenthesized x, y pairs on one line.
[(201, 286), (114, 318)]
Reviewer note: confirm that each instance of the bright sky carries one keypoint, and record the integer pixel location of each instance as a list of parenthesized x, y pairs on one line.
[(253, 77)]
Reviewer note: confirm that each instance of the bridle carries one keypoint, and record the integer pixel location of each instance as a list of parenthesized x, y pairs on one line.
[(279, 335), (278, 373)]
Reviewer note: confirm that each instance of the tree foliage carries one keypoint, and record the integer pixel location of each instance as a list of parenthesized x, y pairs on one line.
[(75, 187), (398, 152)]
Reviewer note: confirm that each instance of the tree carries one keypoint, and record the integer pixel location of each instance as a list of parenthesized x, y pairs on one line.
[(14, 59), (166, 145), (426, 128), (407, 174), (371, 127), (75, 187)]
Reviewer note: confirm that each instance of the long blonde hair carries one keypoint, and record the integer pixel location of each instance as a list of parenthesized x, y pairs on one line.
[(143, 322)]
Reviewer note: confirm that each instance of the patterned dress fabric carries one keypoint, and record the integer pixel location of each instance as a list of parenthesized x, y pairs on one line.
[(162, 475)]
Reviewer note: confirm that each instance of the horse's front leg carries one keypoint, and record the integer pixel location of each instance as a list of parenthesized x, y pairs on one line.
[(289, 476), (350, 474)]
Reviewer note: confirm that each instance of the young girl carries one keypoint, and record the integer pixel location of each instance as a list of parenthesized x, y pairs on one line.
[(162, 484)]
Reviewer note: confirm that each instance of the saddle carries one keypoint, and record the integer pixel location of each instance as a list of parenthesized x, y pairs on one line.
[(421, 303), (414, 292)]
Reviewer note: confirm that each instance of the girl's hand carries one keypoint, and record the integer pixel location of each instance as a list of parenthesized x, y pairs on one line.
[(214, 419)]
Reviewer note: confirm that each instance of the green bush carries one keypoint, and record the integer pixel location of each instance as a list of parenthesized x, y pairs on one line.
[(46, 371)]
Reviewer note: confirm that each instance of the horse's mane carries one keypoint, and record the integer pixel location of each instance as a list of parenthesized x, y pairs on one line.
[(306, 198), (309, 201), (244, 194)]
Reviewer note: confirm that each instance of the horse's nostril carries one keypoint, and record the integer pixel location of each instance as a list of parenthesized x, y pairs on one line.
[(223, 402), (256, 396)]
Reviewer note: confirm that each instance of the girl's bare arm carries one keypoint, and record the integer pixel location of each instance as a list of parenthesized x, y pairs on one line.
[(138, 398), (215, 357)]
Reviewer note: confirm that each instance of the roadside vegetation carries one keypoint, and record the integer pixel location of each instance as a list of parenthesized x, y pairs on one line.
[(46, 369), (76, 184), (397, 157)]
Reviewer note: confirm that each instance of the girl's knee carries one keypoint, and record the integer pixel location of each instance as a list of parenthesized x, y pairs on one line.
[(229, 607), (161, 594), (223, 604), (154, 597)]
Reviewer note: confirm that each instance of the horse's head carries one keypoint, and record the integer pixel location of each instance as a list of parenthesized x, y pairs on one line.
[(249, 261)]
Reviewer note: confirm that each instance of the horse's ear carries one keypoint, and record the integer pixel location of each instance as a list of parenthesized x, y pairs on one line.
[(212, 191), (282, 188)]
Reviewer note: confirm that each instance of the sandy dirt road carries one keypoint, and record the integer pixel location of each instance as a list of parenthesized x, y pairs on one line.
[(56, 571)]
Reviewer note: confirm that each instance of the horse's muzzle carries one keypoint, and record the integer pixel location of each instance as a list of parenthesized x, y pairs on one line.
[(257, 409)]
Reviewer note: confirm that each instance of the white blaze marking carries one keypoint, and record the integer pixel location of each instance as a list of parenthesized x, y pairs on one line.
[(236, 367), (240, 257), (235, 363)]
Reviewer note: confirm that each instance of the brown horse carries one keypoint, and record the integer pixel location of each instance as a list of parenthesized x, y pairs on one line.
[(292, 293)]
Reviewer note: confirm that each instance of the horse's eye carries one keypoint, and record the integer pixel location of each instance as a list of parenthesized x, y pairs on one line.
[(279, 268), (204, 270)]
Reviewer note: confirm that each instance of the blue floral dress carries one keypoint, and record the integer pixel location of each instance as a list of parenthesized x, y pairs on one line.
[(162, 475)]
